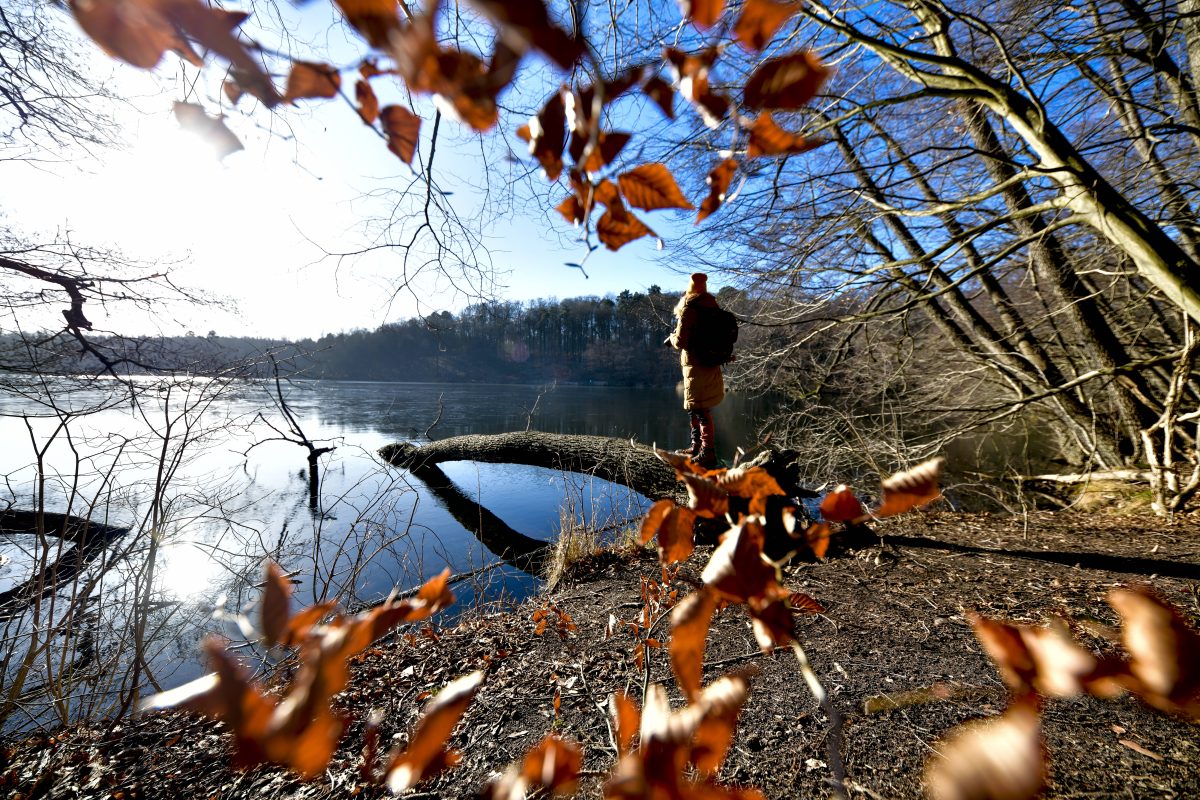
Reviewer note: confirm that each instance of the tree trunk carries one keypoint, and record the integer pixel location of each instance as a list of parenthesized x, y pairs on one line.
[(616, 460)]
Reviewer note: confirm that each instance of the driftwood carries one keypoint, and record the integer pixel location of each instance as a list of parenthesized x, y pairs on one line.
[(615, 460), (88, 540)]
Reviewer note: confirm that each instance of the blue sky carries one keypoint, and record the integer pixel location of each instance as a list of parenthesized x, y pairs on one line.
[(256, 228)]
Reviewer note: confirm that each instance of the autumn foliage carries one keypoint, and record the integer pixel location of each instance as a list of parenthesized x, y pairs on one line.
[(403, 46)]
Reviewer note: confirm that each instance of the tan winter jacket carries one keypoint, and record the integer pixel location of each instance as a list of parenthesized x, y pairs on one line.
[(703, 387)]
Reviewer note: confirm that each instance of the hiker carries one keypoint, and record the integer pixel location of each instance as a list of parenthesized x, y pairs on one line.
[(703, 385)]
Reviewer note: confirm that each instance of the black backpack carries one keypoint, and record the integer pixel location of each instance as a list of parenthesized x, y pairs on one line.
[(710, 341)]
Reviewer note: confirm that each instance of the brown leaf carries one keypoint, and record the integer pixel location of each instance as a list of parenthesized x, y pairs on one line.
[(232, 91), (1042, 659), (718, 184), (650, 187), (721, 702), (704, 13), (608, 146), (737, 569), (662, 94), (136, 33), (705, 496), (841, 505), (277, 593), (546, 135), (760, 20), (689, 630), (691, 71), (311, 80), (369, 68), (1137, 748), (584, 100), (213, 29), (768, 139), (426, 754), (616, 233), (368, 103), (1001, 758), (553, 764), (753, 483), (676, 536), (788, 82), (301, 624), (374, 19), (1164, 651), (817, 536), (772, 622), (526, 23), (402, 128), (654, 518), (212, 129), (571, 209), (626, 720), (799, 601), (911, 488)]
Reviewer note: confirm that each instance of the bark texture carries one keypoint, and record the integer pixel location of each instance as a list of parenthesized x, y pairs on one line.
[(616, 460)]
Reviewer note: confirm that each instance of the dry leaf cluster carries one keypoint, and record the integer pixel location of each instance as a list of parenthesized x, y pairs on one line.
[(1005, 757), (466, 86)]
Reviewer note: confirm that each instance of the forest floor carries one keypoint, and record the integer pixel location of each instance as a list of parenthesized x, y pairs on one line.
[(893, 649)]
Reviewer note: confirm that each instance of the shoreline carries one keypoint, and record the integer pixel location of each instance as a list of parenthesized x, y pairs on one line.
[(893, 650)]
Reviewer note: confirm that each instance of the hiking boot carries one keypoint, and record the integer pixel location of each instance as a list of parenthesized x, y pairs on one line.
[(694, 450), (706, 458)]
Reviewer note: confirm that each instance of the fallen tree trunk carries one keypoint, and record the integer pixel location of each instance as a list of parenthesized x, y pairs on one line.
[(616, 460), (89, 540)]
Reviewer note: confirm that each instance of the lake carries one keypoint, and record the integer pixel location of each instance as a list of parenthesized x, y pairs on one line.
[(238, 494)]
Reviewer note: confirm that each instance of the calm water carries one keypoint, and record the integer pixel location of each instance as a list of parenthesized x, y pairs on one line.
[(240, 495)]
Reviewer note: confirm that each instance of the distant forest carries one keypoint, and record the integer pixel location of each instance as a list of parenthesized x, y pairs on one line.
[(603, 340)]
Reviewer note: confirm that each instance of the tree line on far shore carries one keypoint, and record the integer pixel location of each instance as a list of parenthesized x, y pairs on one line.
[(613, 340)]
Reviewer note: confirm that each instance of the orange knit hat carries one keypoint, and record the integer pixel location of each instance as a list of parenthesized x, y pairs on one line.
[(699, 284)]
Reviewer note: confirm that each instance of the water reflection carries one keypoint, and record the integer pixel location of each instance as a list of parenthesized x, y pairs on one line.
[(377, 528)]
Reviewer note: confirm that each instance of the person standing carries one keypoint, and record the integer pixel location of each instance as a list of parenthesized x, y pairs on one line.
[(703, 384)]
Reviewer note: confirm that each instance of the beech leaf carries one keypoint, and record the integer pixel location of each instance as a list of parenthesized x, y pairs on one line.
[(402, 128), (718, 184), (615, 233), (311, 80), (526, 23), (1001, 758), (193, 118), (368, 103), (1164, 651), (374, 19), (689, 630), (650, 187), (704, 13), (426, 754), (662, 94), (841, 505), (760, 20), (788, 82), (911, 488), (546, 135), (768, 139), (277, 592)]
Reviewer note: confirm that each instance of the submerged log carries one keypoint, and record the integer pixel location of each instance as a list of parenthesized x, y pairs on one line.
[(616, 460), (89, 540)]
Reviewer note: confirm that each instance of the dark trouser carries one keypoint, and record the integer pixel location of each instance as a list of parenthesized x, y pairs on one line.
[(704, 435)]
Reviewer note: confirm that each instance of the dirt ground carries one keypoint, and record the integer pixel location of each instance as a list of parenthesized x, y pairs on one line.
[(894, 627)]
